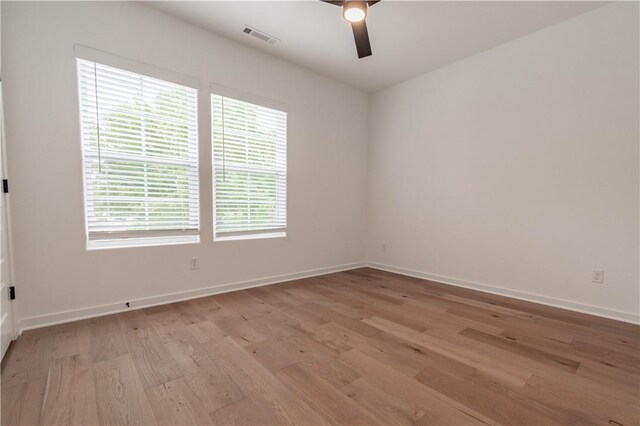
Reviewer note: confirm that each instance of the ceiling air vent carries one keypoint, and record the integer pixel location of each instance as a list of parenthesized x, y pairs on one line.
[(260, 35)]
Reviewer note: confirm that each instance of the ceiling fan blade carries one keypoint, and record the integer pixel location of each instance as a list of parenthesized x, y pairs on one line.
[(372, 2), (335, 3), (361, 37)]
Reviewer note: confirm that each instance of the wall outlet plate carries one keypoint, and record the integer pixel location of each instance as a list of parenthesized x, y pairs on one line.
[(194, 262), (597, 276)]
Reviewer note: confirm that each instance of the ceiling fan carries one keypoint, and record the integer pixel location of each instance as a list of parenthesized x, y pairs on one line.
[(356, 13)]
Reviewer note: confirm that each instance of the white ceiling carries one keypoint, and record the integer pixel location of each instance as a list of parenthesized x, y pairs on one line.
[(408, 38)]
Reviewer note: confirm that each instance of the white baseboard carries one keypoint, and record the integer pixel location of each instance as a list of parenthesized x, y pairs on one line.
[(112, 308), (516, 294)]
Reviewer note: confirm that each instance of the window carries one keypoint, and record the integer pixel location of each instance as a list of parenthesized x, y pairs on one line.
[(249, 169), (140, 152)]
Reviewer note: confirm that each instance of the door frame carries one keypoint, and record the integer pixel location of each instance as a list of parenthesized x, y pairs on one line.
[(6, 225)]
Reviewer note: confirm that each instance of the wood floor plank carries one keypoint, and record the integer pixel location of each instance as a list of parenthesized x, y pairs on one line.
[(255, 303), (235, 302), (270, 354), (29, 357), (321, 360), (239, 329), (165, 322), (107, 339), (327, 400), (344, 320), (401, 354), (70, 397), (456, 350), (133, 320), (388, 409), (595, 402), (357, 347), (86, 405), (497, 402), (205, 331), (248, 412), (394, 354), (187, 352), (120, 394), (610, 375), (188, 312), (607, 354), (262, 386), (305, 350), (175, 403), (71, 339), (22, 403), (152, 361), (215, 384), (517, 348), (59, 398), (437, 407), (511, 323)]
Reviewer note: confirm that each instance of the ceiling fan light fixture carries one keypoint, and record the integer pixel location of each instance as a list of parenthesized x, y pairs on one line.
[(354, 11)]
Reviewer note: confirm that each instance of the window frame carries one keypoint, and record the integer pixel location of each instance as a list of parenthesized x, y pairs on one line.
[(239, 95), (124, 239)]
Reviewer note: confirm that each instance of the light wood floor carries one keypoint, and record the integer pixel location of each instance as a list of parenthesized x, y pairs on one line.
[(358, 347)]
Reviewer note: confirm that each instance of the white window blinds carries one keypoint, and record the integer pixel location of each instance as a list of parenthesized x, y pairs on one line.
[(249, 168), (140, 151)]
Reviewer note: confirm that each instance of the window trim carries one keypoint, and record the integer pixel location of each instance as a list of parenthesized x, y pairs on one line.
[(125, 235), (252, 235), (126, 239), (225, 91), (126, 64), (216, 89), (125, 242)]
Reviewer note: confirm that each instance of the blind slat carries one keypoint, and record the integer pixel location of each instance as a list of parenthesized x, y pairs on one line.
[(140, 150), (250, 167)]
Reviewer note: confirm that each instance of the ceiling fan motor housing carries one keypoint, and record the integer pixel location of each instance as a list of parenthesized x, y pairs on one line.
[(354, 11)]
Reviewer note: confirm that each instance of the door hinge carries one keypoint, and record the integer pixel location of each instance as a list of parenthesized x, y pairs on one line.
[(12, 292), (5, 186)]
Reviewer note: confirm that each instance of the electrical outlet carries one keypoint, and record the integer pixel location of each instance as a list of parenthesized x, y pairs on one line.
[(597, 276), (195, 263), (384, 247)]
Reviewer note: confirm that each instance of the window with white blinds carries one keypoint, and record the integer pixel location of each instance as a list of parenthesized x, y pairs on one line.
[(249, 168), (140, 151)]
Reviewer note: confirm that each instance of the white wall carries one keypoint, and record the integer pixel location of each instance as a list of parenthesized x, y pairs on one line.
[(54, 272), (516, 170)]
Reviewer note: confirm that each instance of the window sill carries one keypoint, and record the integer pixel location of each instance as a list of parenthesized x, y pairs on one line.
[(251, 236), (141, 242)]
